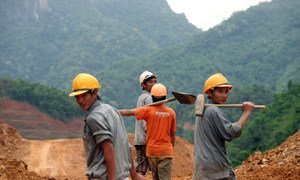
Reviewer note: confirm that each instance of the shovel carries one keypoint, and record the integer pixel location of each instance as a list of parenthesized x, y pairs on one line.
[(182, 98), (200, 105)]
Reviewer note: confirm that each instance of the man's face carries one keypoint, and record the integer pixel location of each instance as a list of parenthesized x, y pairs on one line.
[(149, 84), (220, 95), (86, 100)]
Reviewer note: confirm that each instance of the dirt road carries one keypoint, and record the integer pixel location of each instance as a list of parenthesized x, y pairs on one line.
[(65, 158), (60, 158)]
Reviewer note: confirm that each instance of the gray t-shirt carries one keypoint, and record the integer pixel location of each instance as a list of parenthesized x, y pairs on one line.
[(211, 132), (103, 122), (140, 126)]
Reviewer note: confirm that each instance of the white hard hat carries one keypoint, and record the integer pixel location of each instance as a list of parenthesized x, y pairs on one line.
[(146, 75)]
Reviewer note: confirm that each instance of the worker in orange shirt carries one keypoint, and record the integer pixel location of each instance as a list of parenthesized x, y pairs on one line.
[(161, 128)]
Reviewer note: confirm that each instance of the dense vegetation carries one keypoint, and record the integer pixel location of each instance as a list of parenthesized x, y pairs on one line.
[(258, 47), (270, 127), (49, 100), (51, 41)]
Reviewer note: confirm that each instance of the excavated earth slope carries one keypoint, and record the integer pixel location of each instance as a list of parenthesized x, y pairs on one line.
[(64, 159)]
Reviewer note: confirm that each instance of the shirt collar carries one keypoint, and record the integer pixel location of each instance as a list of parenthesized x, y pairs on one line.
[(145, 92), (96, 103)]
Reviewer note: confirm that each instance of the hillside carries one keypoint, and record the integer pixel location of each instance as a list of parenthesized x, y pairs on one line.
[(257, 49), (49, 41), (117, 40), (283, 162), (33, 124), (64, 159), (257, 46)]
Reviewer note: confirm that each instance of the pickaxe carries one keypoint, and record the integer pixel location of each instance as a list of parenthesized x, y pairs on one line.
[(200, 105)]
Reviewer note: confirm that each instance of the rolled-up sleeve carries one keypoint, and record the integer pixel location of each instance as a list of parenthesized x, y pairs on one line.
[(235, 129), (225, 128), (142, 113), (100, 130)]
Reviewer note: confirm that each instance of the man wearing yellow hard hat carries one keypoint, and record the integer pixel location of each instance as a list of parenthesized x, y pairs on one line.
[(161, 128), (105, 138), (213, 129)]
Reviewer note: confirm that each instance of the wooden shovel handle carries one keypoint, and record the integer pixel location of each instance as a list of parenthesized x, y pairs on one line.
[(163, 101), (234, 105)]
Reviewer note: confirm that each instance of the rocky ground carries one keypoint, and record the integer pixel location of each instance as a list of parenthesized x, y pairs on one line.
[(63, 159), (283, 162)]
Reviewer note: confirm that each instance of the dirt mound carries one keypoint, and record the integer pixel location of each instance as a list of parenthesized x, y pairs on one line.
[(60, 158), (64, 159), (9, 137), (33, 124), (283, 162), (11, 168)]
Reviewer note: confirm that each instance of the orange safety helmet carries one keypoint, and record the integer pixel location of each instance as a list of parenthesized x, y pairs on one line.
[(216, 80), (159, 90), (84, 82)]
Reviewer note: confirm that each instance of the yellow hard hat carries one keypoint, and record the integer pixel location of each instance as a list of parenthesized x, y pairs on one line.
[(216, 80), (159, 90), (84, 82)]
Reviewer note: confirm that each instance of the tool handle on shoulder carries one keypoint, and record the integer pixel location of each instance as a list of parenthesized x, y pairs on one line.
[(234, 105), (163, 101)]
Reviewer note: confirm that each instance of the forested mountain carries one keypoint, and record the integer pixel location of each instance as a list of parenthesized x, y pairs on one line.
[(260, 45), (49, 41), (257, 49)]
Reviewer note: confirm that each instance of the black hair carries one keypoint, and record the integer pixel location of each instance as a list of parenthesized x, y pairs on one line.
[(149, 78), (92, 91), (154, 99)]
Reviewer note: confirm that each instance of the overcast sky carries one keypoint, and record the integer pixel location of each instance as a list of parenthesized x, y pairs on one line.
[(206, 14)]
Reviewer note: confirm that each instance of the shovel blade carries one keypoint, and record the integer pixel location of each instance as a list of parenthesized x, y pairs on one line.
[(184, 98)]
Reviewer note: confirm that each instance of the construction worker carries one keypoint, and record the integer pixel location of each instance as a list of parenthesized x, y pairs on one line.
[(104, 134), (160, 137), (147, 80), (213, 129)]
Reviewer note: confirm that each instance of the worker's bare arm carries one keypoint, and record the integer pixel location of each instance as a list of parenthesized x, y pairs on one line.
[(127, 112), (110, 158), (247, 109)]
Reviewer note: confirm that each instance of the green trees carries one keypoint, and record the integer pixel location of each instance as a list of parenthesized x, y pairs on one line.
[(52, 41), (49, 100), (270, 127)]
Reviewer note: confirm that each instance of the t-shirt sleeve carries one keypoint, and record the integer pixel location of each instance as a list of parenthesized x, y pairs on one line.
[(173, 126), (224, 127), (148, 100), (144, 99), (142, 113), (100, 128)]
